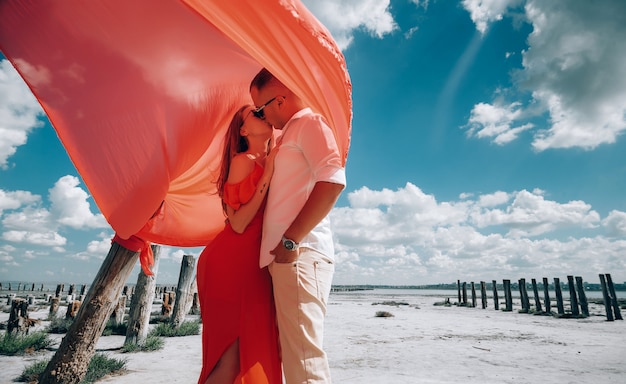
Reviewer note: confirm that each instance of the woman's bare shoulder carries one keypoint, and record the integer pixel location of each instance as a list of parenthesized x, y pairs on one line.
[(240, 167)]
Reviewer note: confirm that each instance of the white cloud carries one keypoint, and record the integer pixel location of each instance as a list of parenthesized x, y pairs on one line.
[(343, 17), (47, 239), (615, 223), (493, 199), (29, 223), (408, 237), (530, 215), (96, 249), (16, 199), (19, 112), (493, 121), (573, 70), (484, 12), (70, 206)]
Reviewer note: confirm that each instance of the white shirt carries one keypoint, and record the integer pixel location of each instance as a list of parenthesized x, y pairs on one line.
[(308, 153)]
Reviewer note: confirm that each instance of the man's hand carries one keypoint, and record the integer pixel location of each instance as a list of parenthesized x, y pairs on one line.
[(283, 255)]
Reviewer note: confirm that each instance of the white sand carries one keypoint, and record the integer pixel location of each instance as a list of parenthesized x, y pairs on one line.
[(421, 343)]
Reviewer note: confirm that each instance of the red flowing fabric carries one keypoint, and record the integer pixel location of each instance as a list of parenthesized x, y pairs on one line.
[(133, 243), (140, 94)]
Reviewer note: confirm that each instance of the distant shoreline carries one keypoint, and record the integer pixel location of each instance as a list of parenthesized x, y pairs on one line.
[(21, 286)]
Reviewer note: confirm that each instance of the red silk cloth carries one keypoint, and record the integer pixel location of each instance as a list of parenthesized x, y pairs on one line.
[(135, 244), (141, 92)]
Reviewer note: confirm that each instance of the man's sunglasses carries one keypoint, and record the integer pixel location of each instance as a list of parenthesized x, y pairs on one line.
[(259, 112)]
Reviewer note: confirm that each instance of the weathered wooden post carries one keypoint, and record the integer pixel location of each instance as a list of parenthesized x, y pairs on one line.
[(168, 303), (582, 297), (17, 316), (614, 303), (524, 296), (58, 291), (183, 290), (458, 290), (464, 294), (69, 363), (536, 293), (546, 295), (54, 306), (494, 287), (572, 296), (607, 298), (559, 296), (119, 310), (195, 305), (141, 303), (473, 295), (483, 294), (508, 298)]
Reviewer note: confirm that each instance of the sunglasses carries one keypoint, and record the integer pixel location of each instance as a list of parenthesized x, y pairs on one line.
[(259, 112)]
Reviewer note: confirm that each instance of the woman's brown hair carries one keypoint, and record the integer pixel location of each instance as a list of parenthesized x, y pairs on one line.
[(234, 143)]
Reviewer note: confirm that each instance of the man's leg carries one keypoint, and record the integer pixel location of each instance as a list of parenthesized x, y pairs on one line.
[(301, 291)]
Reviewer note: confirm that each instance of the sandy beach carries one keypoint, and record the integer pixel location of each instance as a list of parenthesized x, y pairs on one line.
[(420, 343)]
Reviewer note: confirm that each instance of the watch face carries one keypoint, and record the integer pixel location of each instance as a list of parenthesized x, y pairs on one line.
[(289, 244)]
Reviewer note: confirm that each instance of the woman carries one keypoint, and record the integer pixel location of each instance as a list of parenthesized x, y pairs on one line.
[(239, 335)]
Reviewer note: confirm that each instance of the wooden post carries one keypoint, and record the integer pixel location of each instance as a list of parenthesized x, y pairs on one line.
[(508, 298), (494, 287), (71, 290), (17, 316), (559, 296), (607, 298), (72, 309), (141, 303), (464, 293), (458, 289), (572, 296), (69, 363), (183, 290), (546, 295), (195, 305), (473, 295), (614, 303), (118, 312), (57, 293), (54, 306), (168, 303), (536, 293), (524, 295), (483, 294), (584, 308)]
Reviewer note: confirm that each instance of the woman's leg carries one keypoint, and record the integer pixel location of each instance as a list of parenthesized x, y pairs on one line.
[(227, 367)]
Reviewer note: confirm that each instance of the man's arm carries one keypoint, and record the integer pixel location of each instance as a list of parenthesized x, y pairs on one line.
[(321, 200)]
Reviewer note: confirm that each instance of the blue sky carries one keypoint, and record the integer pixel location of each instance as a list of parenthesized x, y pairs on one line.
[(487, 144)]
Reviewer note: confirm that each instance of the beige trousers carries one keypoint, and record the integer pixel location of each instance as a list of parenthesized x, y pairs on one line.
[(301, 291)]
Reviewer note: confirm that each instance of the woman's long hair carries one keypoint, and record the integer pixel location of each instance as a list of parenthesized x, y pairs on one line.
[(234, 143)]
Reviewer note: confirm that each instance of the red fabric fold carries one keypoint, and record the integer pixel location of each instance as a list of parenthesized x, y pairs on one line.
[(136, 244)]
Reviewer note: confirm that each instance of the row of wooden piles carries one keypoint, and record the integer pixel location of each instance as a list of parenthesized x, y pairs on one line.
[(577, 298)]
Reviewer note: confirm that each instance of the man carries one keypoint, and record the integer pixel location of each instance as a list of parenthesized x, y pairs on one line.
[(297, 241)]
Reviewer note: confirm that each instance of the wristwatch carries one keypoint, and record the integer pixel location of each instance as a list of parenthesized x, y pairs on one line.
[(289, 244)]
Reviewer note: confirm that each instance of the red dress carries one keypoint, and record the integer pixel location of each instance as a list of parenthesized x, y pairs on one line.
[(236, 300)]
